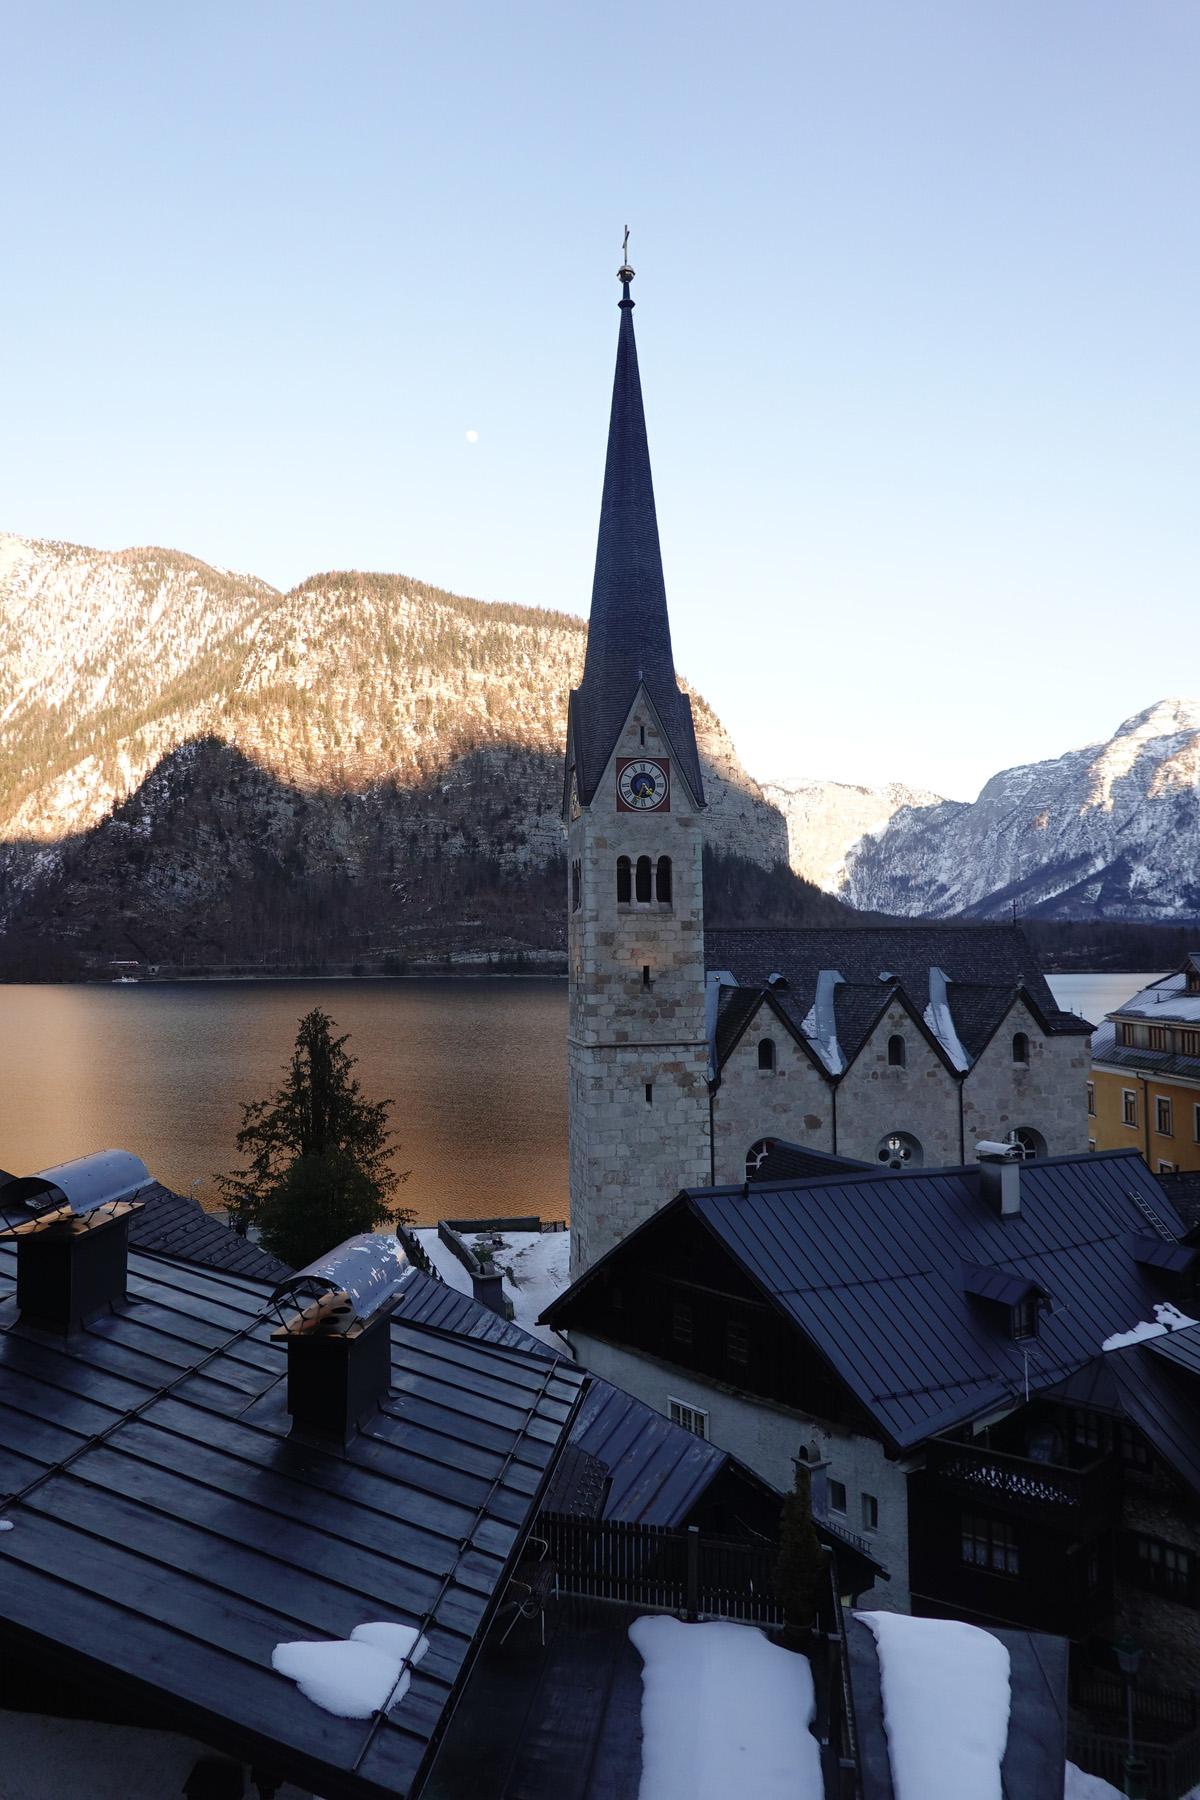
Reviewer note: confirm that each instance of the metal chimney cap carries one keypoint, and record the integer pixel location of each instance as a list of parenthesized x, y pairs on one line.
[(990, 1152)]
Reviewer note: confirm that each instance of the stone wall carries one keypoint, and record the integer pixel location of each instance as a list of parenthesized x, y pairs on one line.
[(1049, 1095), (876, 1099), (791, 1101)]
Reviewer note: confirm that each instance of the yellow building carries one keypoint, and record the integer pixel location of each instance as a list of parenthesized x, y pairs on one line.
[(1145, 1087)]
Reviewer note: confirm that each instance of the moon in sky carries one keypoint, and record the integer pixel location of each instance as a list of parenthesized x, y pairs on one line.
[(472, 437)]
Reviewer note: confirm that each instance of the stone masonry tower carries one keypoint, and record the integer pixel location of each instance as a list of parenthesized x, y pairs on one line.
[(636, 1043)]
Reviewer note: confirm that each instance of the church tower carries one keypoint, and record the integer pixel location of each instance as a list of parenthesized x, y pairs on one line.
[(636, 1042)]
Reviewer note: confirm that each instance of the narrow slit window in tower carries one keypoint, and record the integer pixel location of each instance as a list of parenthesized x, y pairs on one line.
[(642, 884), (896, 1052), (766, 1053), (624, 881)]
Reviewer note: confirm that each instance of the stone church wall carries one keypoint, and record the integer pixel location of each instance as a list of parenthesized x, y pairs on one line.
[(1049, 1095), (791, 1101), (921, 1099)]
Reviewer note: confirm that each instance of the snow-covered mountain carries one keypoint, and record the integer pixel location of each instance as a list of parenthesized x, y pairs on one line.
[(826, 819), (169, 730), (1111, 831)]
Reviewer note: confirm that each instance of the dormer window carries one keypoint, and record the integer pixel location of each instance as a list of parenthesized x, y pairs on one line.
[(1193, 979), (1025, 1319)]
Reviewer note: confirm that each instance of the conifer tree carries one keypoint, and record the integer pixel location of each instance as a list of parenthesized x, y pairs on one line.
[(801, 1572), (318, 1153)]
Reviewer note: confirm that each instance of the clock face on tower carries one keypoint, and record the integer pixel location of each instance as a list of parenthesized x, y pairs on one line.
[(643, 785)]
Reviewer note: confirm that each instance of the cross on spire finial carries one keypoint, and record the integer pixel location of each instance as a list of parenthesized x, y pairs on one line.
[(625, 273)]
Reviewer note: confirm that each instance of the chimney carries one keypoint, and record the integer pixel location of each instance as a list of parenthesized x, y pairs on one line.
[(71, 1227), (487, 1285), (336, 1328), (1000, 1177)]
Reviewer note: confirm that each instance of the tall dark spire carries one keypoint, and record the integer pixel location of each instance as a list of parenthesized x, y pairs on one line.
[(629, 633)]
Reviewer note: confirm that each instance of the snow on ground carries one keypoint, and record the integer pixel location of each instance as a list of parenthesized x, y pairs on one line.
[(353, 1677), (49, 1759), (725, 1715), (1166, 1318), (534, 1265), (945, 1706), (1080, 1786)]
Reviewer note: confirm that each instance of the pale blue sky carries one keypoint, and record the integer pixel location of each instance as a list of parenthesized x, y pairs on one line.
[(917, 314)]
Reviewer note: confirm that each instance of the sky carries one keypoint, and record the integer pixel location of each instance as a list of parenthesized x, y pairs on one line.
[(296, 287)]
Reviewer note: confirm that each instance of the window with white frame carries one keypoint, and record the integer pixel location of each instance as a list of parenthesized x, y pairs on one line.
[(1129, 1106), (692, 1418)]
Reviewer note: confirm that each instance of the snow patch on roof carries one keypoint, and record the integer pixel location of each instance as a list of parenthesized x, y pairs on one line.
[(1166, 1318), (358, 1676), (946, 1697), (724, 1713), (820, 1025), (939, 1020)]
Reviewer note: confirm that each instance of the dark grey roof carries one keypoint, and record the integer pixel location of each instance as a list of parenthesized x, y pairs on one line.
[(985, 966), (1183, 1191), (659, 1471), (176, 1225), (431, 1301), (1156, 1384), (1138, 1060), (1001, 1286), (868, 1267), (167, 1532), (796, 1162), (629, 634)]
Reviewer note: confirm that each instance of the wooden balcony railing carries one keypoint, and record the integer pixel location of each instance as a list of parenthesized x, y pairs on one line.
[(1049, 1493)]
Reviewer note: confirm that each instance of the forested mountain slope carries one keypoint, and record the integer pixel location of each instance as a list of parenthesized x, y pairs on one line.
[(199, 766)]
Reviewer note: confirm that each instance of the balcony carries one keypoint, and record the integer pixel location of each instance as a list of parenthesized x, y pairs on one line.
[(1075, 1501)]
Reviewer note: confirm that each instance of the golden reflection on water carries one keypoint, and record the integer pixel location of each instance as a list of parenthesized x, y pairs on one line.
[(477, 1069)]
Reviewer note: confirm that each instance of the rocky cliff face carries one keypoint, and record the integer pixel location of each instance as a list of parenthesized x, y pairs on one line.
[(1111, 831), (197, 764), (827, 819)]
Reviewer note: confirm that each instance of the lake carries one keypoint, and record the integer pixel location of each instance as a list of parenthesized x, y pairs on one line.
[(477, 1069)]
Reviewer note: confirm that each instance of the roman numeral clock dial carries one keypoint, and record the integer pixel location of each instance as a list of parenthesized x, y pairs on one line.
[(643, 784)]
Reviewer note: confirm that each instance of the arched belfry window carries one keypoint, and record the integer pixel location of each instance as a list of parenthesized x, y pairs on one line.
[(642, 881), (897, 1055), (662, 881), (766, 1053), (624, 881), (1020, 1047)]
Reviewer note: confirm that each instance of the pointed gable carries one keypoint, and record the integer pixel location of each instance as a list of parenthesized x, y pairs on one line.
[(629, 633)]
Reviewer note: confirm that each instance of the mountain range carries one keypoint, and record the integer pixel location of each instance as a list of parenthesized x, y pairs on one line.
[(197, 769), (1107, 832)]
